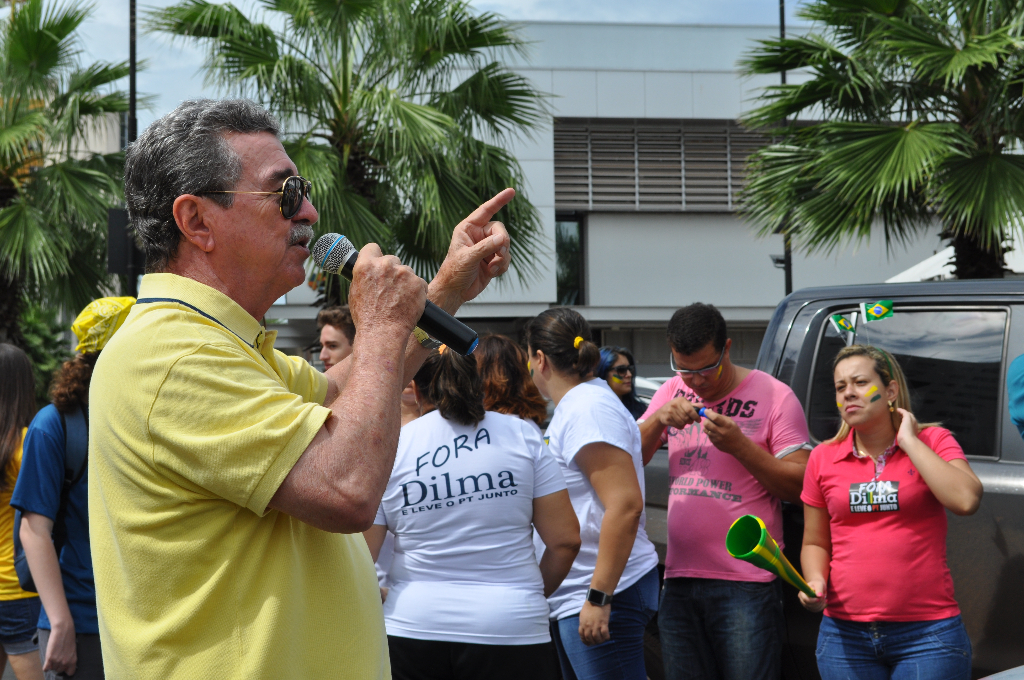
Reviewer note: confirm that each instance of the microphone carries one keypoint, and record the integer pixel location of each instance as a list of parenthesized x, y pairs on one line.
[(335, 254)]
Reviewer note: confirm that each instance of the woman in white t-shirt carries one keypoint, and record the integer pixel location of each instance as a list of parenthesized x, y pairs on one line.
[(410, 412), (467, 490), (611, 593)]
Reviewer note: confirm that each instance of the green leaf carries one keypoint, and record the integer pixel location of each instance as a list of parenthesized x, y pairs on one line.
[(982, 195)]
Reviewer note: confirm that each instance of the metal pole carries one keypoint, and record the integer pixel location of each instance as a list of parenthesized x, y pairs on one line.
[(787, 253), (132, 124), (134, 268)]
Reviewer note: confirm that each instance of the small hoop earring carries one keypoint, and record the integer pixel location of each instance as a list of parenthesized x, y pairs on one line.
[(892, 407)]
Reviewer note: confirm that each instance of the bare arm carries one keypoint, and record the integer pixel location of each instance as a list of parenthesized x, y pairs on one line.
[(650, 437), (337, 482), (782, 477), (36, 530), (610, 471), (677, 413), (375, 539), (816, 555), (953, 482), (556, 523)]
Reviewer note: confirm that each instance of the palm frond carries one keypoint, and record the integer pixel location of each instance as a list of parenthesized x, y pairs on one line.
[(937, 57), (30, 246), (495, 99), (982, 195)]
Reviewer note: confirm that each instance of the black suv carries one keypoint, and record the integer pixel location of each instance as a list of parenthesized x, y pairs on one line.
[(955, 341)]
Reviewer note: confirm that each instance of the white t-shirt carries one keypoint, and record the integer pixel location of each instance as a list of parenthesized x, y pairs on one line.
[(589, 413), (460, 503)]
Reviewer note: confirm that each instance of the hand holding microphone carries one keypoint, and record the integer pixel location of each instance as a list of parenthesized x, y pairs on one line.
[(335, 254)]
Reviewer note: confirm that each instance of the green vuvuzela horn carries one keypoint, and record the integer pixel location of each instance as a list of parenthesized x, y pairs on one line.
[(748, 540)]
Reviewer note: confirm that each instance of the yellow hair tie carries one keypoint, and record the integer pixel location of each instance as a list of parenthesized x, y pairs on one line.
[(579, 341), (442, 349)]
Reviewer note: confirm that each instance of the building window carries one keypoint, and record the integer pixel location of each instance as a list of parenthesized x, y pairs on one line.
[(650, 166), (569, 270)]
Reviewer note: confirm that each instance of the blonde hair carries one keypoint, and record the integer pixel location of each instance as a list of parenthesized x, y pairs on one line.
[(888, 369)]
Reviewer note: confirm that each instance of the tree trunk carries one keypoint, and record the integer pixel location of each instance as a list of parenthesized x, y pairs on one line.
[(973, 262), (10, 311)]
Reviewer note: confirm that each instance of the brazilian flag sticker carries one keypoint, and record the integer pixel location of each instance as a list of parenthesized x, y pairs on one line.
[(873, 311), (841, 323)]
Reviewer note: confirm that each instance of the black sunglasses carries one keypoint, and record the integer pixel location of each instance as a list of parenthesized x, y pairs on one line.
[(621, 371), (294, 189)]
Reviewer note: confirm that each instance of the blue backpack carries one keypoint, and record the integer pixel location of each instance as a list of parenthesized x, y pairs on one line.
[(76, 455)]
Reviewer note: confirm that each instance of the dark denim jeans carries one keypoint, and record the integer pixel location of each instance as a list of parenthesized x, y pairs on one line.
[(728, 630), (893, 650), (622, 656)]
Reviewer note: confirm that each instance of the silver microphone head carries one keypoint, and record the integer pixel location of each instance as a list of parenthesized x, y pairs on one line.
[(332, 251)]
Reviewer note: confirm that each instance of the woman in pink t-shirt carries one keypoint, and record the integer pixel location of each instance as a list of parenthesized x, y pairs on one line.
[(874, 548)]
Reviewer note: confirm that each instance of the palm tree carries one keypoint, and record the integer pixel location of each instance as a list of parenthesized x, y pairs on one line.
[(397, 110), (922, 119), (54, 194)]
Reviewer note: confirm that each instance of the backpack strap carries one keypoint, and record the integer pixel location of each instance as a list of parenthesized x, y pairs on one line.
[(76, 454), (76, 445)]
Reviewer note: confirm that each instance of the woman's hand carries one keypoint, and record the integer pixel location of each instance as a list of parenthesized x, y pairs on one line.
[(594, 624), (907, 434), (814, 604)]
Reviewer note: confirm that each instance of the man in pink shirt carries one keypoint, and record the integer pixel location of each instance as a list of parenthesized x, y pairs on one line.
[(721, 617)]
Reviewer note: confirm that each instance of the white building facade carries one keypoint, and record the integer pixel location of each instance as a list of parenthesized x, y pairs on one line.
[(643, 162)]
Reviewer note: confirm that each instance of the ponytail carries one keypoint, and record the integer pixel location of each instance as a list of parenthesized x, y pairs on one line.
[(565, 338), (452, 383)]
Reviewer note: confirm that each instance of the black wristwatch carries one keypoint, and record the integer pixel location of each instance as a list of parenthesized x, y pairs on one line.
[(598, 598)]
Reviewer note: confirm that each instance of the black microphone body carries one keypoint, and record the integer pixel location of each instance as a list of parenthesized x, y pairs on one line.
[(336, 255)]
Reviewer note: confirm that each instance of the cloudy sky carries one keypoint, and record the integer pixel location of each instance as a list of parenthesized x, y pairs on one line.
[(172, 70)]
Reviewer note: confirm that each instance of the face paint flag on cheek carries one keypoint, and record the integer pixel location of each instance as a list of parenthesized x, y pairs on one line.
[(874, 311), (616, 379)]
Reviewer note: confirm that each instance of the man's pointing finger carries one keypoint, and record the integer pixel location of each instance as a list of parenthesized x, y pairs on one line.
[(482, 215)]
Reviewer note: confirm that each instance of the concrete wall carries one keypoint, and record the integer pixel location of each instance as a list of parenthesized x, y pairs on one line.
[(641, 267), (615, 71)]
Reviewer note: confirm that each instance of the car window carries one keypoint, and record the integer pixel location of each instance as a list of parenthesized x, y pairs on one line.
[(952, 361)]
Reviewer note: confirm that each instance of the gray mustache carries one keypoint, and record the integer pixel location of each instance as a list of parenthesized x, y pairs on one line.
[(299, 233)]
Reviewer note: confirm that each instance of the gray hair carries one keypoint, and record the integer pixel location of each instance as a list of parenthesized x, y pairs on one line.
[(185, 152)]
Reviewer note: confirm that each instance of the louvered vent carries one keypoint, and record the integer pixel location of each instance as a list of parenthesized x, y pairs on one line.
[(684, 165)]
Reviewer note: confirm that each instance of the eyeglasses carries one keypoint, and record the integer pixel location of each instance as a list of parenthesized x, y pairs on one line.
[(703, 372), (621, 371), (294, 189)]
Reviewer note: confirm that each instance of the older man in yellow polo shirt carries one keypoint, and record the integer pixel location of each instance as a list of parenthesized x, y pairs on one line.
[(227, 481)]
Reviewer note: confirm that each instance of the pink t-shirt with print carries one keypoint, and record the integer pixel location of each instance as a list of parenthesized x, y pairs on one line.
[(888, 533), (709, 489)]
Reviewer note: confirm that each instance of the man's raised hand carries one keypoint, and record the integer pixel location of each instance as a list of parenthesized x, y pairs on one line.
[(479, 251)]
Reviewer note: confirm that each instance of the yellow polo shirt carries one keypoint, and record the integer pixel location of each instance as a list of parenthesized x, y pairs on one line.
[(195, 420)]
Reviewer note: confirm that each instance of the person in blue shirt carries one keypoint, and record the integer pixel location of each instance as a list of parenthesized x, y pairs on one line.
[(69, 641), (1015, 392)]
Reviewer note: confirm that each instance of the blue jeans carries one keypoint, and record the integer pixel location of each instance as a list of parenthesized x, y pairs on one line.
[(713, 629), (18, 621), (893, 650), (622, 656)]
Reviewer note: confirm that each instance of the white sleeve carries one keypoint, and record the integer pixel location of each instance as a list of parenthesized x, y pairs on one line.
[(601, 421), (380, 518), (547, 473)]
